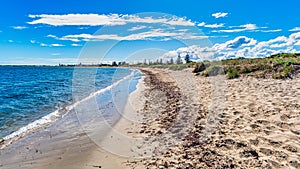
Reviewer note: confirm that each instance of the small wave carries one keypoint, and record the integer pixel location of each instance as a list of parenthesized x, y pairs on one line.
[(52, 117)]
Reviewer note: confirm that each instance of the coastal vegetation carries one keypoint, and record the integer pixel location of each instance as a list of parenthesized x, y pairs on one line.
[(279, 66)]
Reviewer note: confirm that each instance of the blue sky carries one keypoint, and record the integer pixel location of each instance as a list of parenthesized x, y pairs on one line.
[(92, 31)]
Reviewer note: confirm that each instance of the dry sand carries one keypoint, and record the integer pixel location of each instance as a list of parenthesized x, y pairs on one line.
[(240, 123)]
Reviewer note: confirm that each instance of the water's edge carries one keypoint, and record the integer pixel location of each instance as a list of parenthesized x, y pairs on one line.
[(49, 119)]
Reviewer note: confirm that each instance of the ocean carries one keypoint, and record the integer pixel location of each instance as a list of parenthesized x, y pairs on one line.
[(35, 96)]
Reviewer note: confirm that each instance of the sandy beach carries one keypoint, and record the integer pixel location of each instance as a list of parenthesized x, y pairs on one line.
[(150, 84), (177, 120), (196, 122)]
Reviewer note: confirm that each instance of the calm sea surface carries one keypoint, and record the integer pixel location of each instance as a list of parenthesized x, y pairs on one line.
[(28, 93)]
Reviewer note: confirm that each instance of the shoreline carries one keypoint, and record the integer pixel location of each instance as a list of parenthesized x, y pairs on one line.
[(117, 147), (175, 119), (35, 143), (50, 118)]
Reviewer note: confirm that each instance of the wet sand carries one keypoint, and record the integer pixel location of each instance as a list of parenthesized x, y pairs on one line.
[(65, 144)]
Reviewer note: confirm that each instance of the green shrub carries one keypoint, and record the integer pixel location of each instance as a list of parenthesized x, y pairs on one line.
[(278, 76), (278, 66), (246, 69), (284, 73), (288, 63), (288, 70), (259, 74), (278, 62), (232, 73)]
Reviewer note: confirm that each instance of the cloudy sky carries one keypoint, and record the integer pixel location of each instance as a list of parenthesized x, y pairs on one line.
[(93, 31)]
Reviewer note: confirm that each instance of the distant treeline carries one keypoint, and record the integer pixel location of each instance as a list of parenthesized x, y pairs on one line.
[(113, 64)]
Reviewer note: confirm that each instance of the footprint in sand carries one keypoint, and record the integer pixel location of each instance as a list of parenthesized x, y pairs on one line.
[(291, 148)]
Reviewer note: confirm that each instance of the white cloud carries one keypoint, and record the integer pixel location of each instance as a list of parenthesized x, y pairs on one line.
[(280, 41), (241, 46), (63, 38), (247, 27), (10, 41), (297, 43), (75, 44), (295, 36), (240, 41), (219, 15), (19, 27), (102, 19), (51, 45), (214, 25), (241, 28), (139, 36), (137, 28), (278, 45), (56, 45), (295, 29), (154, 34), (201, 24), (274, 30), (51, 36), (32, 41)]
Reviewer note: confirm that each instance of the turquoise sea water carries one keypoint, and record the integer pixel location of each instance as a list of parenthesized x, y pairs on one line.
[(28, 93)]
